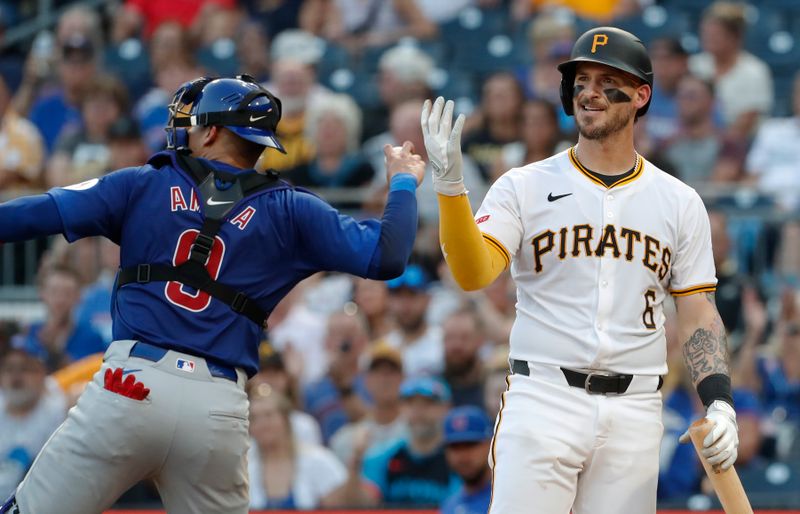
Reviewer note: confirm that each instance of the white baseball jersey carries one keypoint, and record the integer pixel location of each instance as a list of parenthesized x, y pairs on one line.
[(593, 264)]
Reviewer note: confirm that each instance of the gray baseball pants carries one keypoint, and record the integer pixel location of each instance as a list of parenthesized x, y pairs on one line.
[(190, 436)]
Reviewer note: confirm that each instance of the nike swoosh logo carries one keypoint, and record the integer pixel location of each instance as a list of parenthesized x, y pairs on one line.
[(256, 118), (126, 371), (211, 201), (551, 198)]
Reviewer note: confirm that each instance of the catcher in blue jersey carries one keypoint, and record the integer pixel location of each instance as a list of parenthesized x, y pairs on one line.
[(208, 246)]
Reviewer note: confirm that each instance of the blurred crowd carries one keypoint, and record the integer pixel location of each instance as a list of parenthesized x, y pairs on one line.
[(385, 393)]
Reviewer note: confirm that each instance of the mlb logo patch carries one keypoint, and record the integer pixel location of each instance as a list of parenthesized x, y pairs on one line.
[(185, 365)]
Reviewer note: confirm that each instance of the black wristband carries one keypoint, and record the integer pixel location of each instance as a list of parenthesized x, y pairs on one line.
[(715, 387)]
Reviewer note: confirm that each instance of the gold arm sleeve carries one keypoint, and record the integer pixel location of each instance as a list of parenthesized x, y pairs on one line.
[(475, 259)]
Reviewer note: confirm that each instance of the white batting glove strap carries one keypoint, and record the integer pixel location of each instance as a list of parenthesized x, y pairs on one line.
[(443, 144), (721, 443)]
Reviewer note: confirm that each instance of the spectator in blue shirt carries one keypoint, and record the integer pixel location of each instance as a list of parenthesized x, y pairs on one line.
[(413, 471), (94, 308), (29, 413), (780, 376), (58, 339), (463, 368), (467, 437), (340, 396), (671, 63), (54, 112), (774, 376)]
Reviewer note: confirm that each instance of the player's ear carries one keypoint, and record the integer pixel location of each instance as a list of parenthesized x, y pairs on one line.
[(211, 135), (643, 93)]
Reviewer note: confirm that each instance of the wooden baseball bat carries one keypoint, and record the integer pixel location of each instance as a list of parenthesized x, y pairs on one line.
[(726, 483)]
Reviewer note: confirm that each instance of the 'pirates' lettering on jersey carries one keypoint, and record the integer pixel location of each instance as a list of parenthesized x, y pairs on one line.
[(583, 243), (593, 269)]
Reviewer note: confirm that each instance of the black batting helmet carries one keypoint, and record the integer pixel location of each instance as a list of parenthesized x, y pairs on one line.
[(610, 46)]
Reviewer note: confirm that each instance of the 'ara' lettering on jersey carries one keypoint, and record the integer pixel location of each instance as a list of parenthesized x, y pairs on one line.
[(584, 241), (178, 201), (243, 218)]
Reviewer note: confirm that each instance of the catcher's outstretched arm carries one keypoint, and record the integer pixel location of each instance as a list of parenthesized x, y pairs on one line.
[(474, 262), (29, 217)]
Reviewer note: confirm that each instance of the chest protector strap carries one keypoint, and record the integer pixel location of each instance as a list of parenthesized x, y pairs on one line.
[(193, 272)]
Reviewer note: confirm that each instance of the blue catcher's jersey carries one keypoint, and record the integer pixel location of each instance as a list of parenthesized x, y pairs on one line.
[(269, 242)]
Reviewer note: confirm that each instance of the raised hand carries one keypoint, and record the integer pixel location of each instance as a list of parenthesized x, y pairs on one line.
[(402, 159), (443, 143)]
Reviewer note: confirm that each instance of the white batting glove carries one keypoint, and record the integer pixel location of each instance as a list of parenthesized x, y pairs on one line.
[(443, 143), (721, 443)]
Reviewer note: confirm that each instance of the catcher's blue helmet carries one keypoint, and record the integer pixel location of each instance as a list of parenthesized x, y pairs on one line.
[(239, 104)]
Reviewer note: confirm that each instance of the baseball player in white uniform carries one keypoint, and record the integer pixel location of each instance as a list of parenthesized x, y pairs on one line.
[(596, 238)]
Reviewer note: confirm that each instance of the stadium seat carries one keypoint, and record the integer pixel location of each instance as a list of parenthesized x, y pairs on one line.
[(359, 85), (219, 57), (782, 85), (771, 484), (437, 50), (655, 21), (687, 5), (333, 58), (761, 23), (780, 50), (473, 23), (482, 42), (792, 22), (453, 84), (130, 63), (784, 5), (487, 53)]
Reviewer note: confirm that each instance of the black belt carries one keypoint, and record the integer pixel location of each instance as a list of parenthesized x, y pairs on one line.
[(592, 383), (156, 353)]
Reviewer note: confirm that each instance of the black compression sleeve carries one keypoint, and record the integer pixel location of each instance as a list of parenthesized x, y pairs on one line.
[(715, 387)]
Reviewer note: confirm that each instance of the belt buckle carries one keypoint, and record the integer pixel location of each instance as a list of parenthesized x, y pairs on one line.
[(587, 385)]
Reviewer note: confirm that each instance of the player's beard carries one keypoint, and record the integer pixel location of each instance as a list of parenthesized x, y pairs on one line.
[(602, 130)]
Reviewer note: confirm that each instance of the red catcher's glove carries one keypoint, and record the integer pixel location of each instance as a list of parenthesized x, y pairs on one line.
[(129, 387)]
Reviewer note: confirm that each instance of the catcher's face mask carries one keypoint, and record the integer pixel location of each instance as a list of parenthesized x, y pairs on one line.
[(180, 113)]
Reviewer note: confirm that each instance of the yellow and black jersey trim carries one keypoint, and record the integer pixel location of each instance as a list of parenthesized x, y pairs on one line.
[(637, 172), (702, 288), (499, 246)]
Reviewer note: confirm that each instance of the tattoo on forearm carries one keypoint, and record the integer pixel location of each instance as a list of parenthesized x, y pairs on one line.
[(706, 351)]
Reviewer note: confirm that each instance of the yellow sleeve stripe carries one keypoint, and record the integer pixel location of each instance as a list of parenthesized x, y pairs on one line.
[(702, 288), (499, 246)]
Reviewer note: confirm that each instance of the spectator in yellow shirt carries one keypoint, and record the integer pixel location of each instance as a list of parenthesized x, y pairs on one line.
[(21, 147)]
